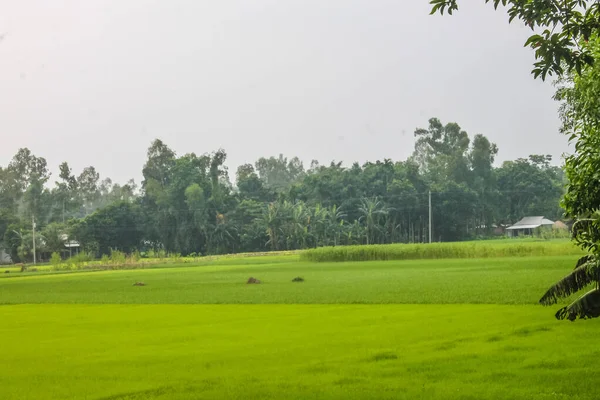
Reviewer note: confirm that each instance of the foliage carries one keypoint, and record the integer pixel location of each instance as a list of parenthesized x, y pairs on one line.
[(117, 226), (55, 260), (579, 95), (117, 257), (566, 24), (54, 238), (188, 205)]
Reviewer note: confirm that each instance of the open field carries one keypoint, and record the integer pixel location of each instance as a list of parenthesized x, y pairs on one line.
[(519, 280), (180, 352), (419, 329)]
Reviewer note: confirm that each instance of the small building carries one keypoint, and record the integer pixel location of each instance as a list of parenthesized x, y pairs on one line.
[(71, 245), (528, 226)]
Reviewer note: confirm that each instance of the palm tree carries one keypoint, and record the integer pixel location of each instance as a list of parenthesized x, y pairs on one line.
[(272, 220), (54, 238), (300, 219), (222, 236), (335, 223), (371, 211), (586, 272), (317, 224)]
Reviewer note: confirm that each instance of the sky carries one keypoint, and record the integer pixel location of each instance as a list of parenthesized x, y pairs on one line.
[(95, 82)]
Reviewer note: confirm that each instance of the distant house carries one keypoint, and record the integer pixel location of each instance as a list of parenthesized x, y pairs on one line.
[(71, 244), (528, 225), (497, 230)]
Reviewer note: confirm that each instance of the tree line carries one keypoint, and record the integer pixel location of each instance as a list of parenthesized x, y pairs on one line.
[(188, 204)]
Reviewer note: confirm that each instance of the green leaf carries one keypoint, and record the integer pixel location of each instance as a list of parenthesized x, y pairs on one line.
[(587, 306), (581, 277)]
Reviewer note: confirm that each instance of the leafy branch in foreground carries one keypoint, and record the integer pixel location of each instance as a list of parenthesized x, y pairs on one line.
[(564, 25), (584, 274), (587, 306)]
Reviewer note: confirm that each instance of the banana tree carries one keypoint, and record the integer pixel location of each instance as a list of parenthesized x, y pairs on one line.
[(585, 274)]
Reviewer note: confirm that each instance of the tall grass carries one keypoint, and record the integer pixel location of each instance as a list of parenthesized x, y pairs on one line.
[(440, 250)]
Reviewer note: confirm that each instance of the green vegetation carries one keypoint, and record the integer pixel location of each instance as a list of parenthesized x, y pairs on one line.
[(567, 43), (492, 281), (177, 352), (188, 205), (426, 329), (482, 249)]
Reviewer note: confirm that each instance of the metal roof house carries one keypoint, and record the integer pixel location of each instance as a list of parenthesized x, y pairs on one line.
[(527, 225)]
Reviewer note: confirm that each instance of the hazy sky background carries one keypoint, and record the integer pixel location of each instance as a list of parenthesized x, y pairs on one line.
[(94, 82)]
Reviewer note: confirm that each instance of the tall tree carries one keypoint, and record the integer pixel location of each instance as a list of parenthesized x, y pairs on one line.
[(279, 173), (441, 151), (87, 184)]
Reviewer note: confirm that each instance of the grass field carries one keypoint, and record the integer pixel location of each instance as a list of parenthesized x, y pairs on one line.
[(421, 329)]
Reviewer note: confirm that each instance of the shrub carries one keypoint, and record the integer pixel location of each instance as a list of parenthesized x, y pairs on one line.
[(117, 257), (136, 256), (78, 261), (55, 260)]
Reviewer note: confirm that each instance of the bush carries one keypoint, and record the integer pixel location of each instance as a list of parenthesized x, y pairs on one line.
[(55, 260), (78, 261), (117, 257), (439, 250), (105, 259), (136, 256)]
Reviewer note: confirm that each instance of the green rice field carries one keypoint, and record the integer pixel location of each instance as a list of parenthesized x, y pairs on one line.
[(446, 328)]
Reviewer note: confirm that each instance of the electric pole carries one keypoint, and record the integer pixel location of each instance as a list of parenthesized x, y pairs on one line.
[(430, 216), (33, 230)]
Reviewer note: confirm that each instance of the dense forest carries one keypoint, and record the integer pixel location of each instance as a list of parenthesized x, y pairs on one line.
[(188, 204)]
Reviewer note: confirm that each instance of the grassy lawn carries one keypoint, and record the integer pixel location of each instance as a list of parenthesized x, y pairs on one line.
[(427, 329)]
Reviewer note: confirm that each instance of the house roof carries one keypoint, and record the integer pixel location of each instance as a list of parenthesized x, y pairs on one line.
[(531, 223), (69, 243)]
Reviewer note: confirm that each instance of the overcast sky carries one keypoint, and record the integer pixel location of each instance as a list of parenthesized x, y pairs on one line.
[(94, 82)]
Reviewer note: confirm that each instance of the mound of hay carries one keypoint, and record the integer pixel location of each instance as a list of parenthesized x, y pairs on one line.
[(298, 279), (139, 284), (252, 280)]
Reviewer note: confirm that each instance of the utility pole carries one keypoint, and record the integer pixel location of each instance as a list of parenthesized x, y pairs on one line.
[(33, 229), (430, 216)]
